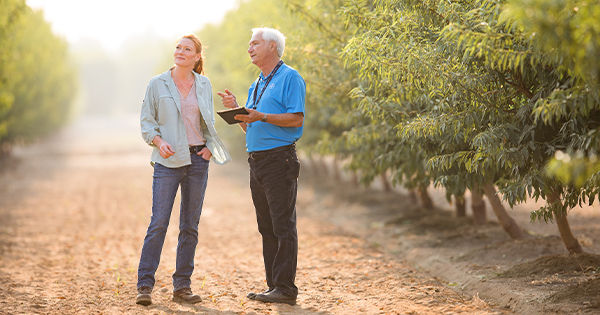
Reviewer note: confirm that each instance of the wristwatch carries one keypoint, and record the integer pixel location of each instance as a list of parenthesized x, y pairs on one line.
[(264, 119)]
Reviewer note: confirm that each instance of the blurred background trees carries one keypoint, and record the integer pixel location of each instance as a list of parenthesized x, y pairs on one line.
[(497, 99), (37, 78)]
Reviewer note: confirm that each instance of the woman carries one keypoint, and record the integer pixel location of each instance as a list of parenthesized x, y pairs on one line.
[(177, 120)]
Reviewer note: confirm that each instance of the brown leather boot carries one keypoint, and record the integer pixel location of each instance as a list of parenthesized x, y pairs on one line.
[(144, 297), (185, 295)]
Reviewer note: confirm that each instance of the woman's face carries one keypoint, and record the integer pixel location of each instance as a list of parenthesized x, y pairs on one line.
[(185, 54)]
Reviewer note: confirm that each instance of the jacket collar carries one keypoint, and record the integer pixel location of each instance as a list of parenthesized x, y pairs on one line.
[(168, 80), (166, 76)]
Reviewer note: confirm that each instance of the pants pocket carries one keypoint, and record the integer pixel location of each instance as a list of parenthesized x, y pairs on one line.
[(293, 166)]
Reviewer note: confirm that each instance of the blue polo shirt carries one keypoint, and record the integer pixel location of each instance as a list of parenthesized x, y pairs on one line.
[(284, 94)]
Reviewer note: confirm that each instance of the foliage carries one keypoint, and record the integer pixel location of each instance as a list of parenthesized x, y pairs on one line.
[(569, 32), (459, 94), (470, 89), (37, 82), (10, 16)]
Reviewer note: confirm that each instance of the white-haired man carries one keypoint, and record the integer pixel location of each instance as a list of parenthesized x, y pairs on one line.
[(273, 125)]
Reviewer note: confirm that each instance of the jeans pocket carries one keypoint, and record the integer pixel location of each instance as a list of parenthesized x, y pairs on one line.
[(293, 166)]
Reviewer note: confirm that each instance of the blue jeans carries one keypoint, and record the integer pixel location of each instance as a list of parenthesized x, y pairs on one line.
[(192, 179)]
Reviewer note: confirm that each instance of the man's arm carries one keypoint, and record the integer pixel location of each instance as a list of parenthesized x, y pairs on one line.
[(281, 120)]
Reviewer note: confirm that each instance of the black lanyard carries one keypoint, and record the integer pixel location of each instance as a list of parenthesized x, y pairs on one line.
[(268, 79)]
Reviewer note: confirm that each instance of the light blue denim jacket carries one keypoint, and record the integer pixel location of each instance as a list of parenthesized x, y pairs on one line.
[(161, 116)]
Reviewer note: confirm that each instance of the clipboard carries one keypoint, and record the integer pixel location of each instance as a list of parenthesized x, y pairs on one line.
[(227, 114)]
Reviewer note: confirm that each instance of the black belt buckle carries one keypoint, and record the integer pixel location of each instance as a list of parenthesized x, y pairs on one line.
[(196, 148)]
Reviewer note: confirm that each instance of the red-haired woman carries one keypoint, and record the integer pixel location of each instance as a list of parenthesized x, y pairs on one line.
[(177, 120)]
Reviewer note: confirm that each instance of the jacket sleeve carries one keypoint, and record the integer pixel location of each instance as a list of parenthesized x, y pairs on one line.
[(148, 123), (211, 103), (211, 115)]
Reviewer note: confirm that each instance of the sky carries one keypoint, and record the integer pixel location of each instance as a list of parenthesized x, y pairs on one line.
[(111, 22)]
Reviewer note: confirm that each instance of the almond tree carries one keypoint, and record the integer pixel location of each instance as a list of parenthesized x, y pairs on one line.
[(37, 80), (460, 86), (568, 32)]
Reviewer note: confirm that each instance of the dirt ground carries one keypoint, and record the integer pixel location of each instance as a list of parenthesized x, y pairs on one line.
[(531, 276), (74, 211)]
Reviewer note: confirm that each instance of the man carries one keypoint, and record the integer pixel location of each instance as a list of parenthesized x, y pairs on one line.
[(273, 124)]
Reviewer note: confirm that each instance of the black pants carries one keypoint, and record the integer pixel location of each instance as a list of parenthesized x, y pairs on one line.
[(274, 184)]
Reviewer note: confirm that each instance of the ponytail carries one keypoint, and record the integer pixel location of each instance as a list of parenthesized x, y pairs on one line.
[(199, 66)]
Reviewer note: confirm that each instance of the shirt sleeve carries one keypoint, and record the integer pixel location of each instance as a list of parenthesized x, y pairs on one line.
[(296, 94), (148, 123), (250, 90)]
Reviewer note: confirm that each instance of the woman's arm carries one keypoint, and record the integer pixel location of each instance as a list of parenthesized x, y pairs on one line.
[(148, 123)]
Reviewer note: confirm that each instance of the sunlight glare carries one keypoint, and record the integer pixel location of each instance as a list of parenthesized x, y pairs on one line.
[(111, 22)]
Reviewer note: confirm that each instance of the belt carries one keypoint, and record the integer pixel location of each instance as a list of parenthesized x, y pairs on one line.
[(260, 154), (196, 148)]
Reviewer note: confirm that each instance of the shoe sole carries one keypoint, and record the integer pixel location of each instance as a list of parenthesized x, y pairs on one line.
[(290, 302), (181, 300), (143, 302)]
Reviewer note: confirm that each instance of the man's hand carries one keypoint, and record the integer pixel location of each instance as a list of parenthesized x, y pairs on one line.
[(164, 148), (252, 116), (228, 99), (205, 153)]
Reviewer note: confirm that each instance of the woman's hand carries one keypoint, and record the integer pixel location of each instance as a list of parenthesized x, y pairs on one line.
[(205, 153), (164, 148)]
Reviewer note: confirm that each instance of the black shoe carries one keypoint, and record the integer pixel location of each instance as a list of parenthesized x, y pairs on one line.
[(185, 295), (143, 297), (253, 295), (276, 296)]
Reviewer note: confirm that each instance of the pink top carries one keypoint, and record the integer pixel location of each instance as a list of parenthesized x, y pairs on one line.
[(191, 118)]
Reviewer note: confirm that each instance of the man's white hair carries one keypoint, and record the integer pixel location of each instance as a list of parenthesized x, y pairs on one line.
[(271, 34)]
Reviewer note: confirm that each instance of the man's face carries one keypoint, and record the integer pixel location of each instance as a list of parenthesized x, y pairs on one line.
[(261, 50)]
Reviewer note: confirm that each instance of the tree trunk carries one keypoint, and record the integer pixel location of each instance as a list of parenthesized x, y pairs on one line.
[(336, 170), (478, 207), (412, 195), (387, 187), (460, 206), (509, 225), (424, 198), (355, 180), (566, 234), (5, 150), (323, 171), (314, 167)]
